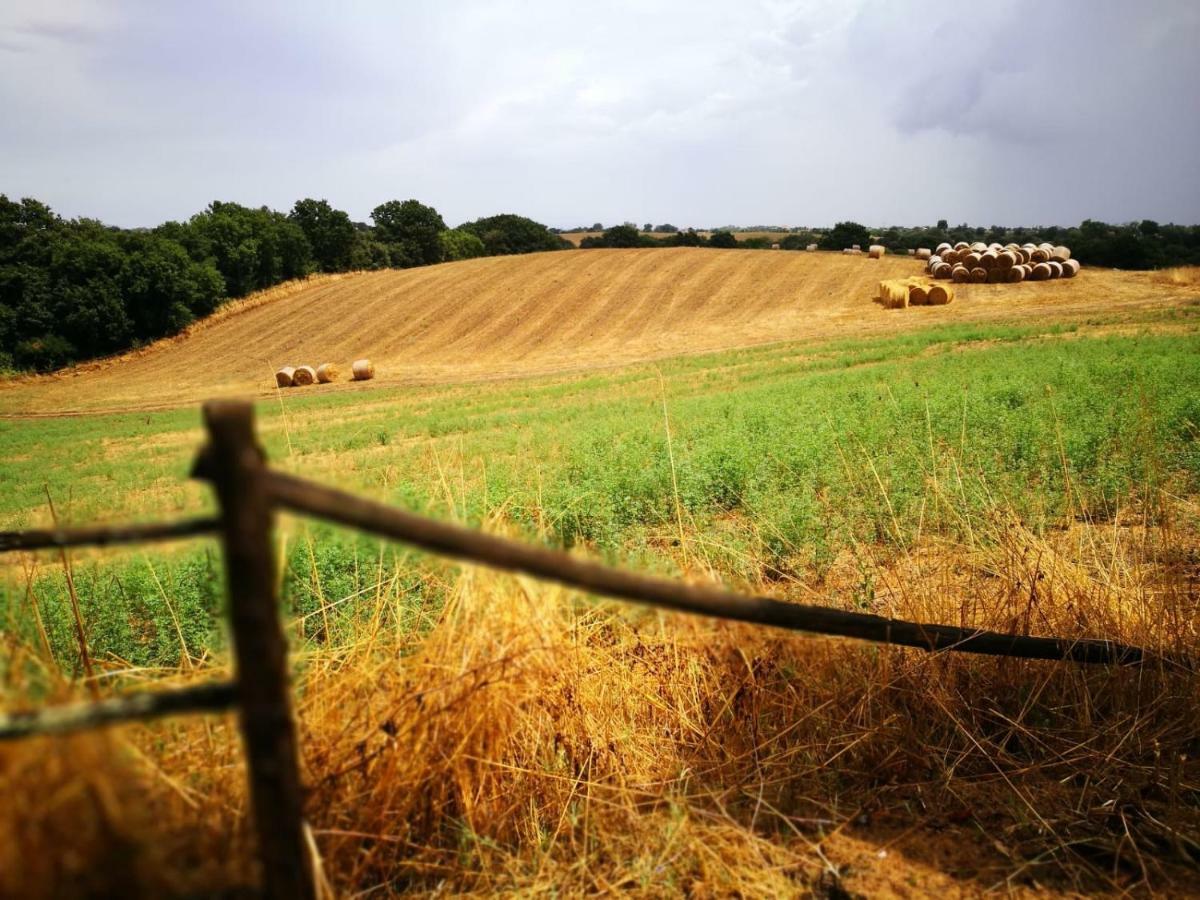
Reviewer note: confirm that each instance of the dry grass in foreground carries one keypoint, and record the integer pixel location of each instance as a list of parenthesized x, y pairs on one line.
[(526, 743)]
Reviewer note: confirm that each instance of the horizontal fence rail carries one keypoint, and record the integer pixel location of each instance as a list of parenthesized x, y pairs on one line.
[(129, 708), (305, 497), (104, 535)]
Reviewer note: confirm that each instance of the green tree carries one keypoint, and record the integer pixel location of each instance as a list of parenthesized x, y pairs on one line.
[(845, 234), (722, 239), (458, 243), (411, 229), (329, 231), (508, 233)]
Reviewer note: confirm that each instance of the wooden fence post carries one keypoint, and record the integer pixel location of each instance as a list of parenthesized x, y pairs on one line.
[(234, 463)]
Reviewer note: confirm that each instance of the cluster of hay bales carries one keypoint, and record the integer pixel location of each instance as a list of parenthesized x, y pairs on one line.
[(981, 263), (901, 293), (326, 373)]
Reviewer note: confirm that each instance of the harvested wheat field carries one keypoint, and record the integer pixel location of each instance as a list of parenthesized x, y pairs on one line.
[(548, 313)]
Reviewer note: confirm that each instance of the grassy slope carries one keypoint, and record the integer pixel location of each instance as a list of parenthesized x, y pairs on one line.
[(507, 317)]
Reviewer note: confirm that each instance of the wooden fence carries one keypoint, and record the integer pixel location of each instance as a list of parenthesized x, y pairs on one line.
[(249, 493)]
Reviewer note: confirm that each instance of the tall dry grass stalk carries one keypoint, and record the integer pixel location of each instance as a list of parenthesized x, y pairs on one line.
[(528, 741)]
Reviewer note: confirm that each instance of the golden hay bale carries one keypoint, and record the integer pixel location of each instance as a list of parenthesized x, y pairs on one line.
[(1047, 246), (876, 251), (1025, 254), (1039, 255), (961, 245), (283, 378), (950, 256), (327, 372), (942, 248), (987, 259), (1060, 254), (1005, 259), (923, 253), (811, 247), (918, 294), (970, 260), (978, 247), (1056, 269), (303, 376), (943, 270), (996, 275), (979, 275), (960, 274), (911, 252), (1015, 274), (1041, 272), (362, 370), (1071, 268), (940, 295), (894, 293)]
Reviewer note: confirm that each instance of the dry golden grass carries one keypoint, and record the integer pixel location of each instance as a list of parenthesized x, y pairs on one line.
[(522, 742), (548, 313)]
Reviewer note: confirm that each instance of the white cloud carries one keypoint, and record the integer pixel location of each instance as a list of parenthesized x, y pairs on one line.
[(703, 113)]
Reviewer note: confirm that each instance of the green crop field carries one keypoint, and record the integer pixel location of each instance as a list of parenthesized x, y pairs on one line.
[(760, 465)]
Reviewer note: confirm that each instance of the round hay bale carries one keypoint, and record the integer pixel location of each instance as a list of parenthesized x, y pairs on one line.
[(876, 251), (1024, 254), (1071, 268), (1056, 269), (970, 260), (912, 252), (943, 270), (362, 370), (979, 275), (1005, 259), (924, 253), (1047, 246), (1015, 274), (327, 373), (942, 248), (950, 256), (283, 378), (987, 259), (940, 295), (960, 274), (1041, 272), (811, 247), (978, 247), (918, 295), (996, 275), (855, 247), (1060, 254), (961, 245), (304, 376), (1039, 255)]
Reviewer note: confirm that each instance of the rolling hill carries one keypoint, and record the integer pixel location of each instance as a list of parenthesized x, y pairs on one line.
[(543, 313)]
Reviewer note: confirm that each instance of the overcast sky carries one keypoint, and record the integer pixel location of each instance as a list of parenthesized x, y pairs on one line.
[(695, 113)]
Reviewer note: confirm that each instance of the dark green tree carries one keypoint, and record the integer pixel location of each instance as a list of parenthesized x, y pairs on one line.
[(411, 230), (329, 231), (722, 239)]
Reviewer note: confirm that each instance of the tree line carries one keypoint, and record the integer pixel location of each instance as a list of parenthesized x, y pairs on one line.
[(1136, 245), (72, 290)]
